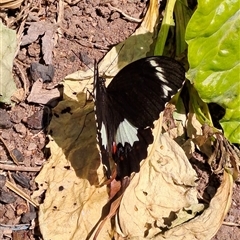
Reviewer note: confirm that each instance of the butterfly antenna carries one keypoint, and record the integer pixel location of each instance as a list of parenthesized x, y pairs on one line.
[(114, 59), (90, 93)]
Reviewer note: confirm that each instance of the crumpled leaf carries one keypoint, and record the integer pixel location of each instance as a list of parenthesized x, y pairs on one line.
[(35, 30), (161, 201), (186, 213), (164, 186), (213, 39), (7, 54), (198, 136), (73, 202)]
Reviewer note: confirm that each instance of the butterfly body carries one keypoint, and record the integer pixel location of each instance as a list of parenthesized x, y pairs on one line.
[(126, 109)]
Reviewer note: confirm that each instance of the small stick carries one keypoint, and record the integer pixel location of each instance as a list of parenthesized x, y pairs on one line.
[(19, 168), (231, 224), (125, 15)]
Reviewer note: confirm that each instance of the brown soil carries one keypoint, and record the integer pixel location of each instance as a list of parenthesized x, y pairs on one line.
[(87, 29)]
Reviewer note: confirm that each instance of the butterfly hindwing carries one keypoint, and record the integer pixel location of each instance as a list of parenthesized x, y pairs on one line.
[(130, 151), (126, 109)]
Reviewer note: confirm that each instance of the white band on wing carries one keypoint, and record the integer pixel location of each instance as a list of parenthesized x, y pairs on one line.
[(126, 133)]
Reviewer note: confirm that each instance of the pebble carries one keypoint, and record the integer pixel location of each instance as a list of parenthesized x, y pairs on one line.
[(6, 135), (2, 181), (32, 146), (18, 155), (39, 119), (17, 114), (28, 217), (27, 153), (5, 121), (21, 129), (21, 179), (7, 197), (38, 70), (21, 208)]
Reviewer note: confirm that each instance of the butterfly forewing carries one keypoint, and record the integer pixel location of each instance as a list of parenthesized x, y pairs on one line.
[(102, 118), (141, 89), (126, 109)]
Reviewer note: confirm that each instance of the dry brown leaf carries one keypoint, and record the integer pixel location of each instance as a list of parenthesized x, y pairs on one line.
[(164, 186), (206, 225), (161, 201), (73, 202), (195, 132), (194, 127)]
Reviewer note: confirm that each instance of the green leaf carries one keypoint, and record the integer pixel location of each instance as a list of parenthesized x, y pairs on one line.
[(214, 56), (7, 53)]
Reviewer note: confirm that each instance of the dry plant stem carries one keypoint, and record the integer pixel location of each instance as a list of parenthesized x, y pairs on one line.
[(24, 13), (231, 224), (36, 135), (22, 194), (9, 151), (16, 227), (108, 181), (113, 209), (60, 12), (19, 168), (115, 204), (19, 36), (125, 15), (10, 177)]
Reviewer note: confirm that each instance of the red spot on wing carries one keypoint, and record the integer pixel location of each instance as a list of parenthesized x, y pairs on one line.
[(114, 148)]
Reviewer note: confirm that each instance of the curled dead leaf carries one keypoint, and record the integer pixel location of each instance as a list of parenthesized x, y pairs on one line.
[(164, 186), (161, 201)]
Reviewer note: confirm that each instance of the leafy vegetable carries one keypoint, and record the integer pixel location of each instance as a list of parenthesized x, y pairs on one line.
[(213, 38)]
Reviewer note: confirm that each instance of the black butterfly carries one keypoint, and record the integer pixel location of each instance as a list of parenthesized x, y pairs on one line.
[(126, 109)]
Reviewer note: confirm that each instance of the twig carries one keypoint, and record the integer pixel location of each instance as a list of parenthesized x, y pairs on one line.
[(19, 168), (60, 17), (16, 227), (125, 15), (22, 194), (231, 224)]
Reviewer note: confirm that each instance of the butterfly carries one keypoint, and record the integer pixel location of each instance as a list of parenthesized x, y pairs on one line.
[(126, 109)]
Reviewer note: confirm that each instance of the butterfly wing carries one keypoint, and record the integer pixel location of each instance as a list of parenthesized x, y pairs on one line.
[(127, 108), (102, 116), (138, 94), (141, 89)]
